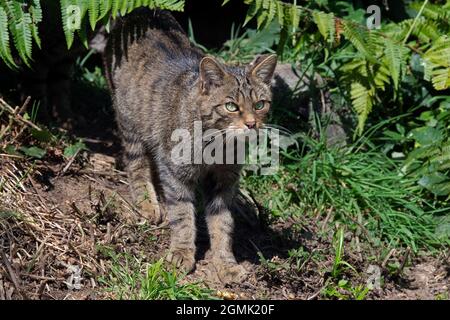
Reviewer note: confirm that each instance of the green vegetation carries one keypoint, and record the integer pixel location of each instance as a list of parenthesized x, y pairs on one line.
[(20, 19), (368, 61), (130, 278), (360, 186)]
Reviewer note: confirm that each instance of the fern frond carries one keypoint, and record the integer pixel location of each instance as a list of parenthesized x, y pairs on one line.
[(441, 78), (116, 4), (82, 33), (73, 13), (380, 75), (430, 11), (433, 11), (36, 17), (124, 7), (20, 28), (272, 12), (425, 30), (362, 101), (438, 60), (280, 13), (173, 5), (395, 60), (294, 17), (255, 6), (262, 17), (5, 52), (94, 10), (70, 21), (361, 38), (444, 157), (105, 8), (326, 24)]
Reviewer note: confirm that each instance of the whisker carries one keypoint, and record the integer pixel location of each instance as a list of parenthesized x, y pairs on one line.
[(276, 126), (283, 131)]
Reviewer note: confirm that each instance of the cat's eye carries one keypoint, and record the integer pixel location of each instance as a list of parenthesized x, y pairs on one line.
[(231, 107), (260, 105)]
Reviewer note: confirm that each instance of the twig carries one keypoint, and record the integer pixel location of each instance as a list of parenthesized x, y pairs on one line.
[(383, 265), (405, 259), (316, 293), (69, 163), (325, 222), (37, 277), (102, 173), (12, 274), (10, 156), (16, 116)]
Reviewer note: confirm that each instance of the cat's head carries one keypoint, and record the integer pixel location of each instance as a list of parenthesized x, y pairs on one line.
[(236, 97)]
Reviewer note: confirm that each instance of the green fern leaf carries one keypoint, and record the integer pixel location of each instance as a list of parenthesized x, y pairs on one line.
[(254, 8), (93, 9), (437, 63), (326, 24), (395, 60), (124, 7), (362, 101), (5, 52), (36, 17), (294, 17), (426, 30), (361, 38), (105, 8), (82, 33), (441, 78), (20, 28), (138, 4), (132, 4), (430, 11), (271, 12), (280, 13), (71, 19), (261, 19), (380, 76), (116, 4), (174, 5), (428, 70)]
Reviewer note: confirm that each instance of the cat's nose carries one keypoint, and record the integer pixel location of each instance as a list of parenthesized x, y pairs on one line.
[(250, 124)]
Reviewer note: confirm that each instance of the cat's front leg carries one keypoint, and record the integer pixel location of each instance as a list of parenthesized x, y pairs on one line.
[(179, 202), (220, 226), (139, 171)]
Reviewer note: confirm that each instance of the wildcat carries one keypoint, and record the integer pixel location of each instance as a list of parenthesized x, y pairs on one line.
[(161, 82)]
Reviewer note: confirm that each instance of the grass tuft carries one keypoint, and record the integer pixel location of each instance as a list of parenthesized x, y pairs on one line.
[(130, 278), (357, 186)]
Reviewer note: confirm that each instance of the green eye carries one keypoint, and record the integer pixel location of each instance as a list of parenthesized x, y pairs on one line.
[(259, 105), (231, 107)]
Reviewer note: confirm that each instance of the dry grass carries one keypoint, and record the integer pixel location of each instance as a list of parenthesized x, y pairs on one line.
[(50, 246)]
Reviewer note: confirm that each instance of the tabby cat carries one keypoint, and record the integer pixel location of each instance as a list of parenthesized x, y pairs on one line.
[(161, 82)]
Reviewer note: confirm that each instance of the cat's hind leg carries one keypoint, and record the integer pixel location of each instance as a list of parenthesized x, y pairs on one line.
[(139, 173), (179, 201)]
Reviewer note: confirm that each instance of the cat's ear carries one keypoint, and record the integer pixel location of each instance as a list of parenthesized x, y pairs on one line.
[(211, 73), (263, 67)]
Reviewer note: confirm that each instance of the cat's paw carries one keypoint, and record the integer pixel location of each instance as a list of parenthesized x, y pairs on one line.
[(152, 212), (182, 258), (230, 272)]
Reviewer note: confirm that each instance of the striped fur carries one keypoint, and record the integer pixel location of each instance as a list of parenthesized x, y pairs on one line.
[(160, 83)]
